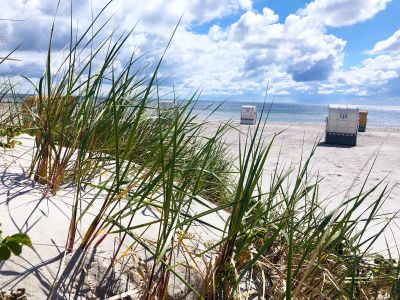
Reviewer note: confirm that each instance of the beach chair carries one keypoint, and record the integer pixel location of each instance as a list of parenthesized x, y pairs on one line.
[(248, 115), (342, 125)]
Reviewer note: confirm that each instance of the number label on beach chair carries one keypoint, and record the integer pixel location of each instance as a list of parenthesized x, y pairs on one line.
[(343, 115)]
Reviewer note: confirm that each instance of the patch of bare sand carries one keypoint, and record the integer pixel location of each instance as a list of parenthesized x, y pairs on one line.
[(343, 169), (27, 207)]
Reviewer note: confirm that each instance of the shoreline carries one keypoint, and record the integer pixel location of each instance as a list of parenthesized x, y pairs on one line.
[(221, 116), (321, 125)]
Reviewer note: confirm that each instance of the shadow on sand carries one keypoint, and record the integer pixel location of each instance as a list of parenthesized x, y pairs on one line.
[(323, 144)]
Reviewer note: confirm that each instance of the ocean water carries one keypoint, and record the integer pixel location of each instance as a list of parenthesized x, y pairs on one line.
[(378, 116)]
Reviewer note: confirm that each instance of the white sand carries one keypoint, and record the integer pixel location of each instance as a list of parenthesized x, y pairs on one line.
[(344, 169), (25, 208), (46, 219), (339, 165)]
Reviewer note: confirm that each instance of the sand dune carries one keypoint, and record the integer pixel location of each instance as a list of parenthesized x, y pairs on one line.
[(24, 207), (27, 207)]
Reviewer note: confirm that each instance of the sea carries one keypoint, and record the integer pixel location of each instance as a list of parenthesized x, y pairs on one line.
[(378, 116)]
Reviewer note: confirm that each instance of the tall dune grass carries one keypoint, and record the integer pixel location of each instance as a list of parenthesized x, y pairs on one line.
[(278, 241)]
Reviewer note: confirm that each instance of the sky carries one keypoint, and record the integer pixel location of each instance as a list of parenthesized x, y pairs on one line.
[(320, 51)]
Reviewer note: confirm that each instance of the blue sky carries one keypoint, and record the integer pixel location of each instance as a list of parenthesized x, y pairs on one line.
[(315, 51), (360, 37), (363, 36)]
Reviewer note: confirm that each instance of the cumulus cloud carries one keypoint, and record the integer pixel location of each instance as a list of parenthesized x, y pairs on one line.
[(299, 45), (317, 70), (254, 52), (32, 32), (246, 55), (152, 16), (372, 78), (251, 23), (154, 22), (293, 55), (339, 13), (377, 70), (391, 44)]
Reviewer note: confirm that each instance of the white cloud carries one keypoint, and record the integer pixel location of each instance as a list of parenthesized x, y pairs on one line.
[(250, 22), (152, 16), (374, 71), (261, 49), (252, 53), (246, 56), (156, 15), (156, 21), (292, 56), (372, 78), (392, 44), (339, 13)]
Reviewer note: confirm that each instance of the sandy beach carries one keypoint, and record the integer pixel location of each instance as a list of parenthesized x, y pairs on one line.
[(340, 166), (46, 218), (343, 169), (184, 150), (28, 207)]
